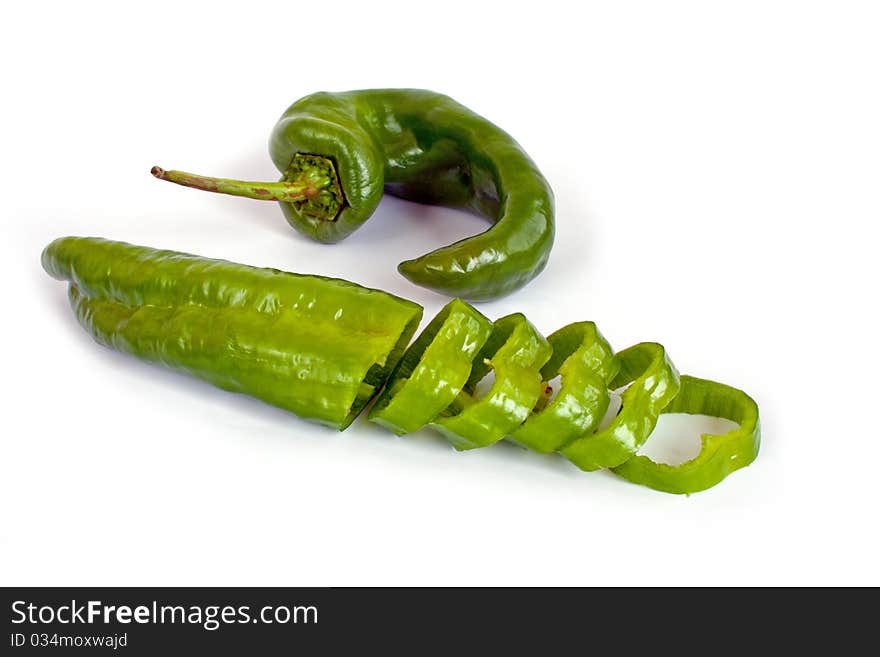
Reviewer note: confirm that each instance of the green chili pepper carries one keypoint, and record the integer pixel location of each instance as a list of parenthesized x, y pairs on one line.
[(338, 152), (720, 454), (323, 348), (318, 347)]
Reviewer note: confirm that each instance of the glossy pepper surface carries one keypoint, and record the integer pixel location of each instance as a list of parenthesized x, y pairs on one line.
[(720, 454), (323, 348), (515, 352), (318, 347), (339, 152), (652, 382), (585, 363), (435, 370)]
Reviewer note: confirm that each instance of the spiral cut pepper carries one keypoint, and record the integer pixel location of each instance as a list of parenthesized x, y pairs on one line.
[(338, 152), (323, 348)]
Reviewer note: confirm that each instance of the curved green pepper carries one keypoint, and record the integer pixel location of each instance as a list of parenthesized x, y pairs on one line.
[(318, 347), (323, 348), (339, 151), (720, 454)]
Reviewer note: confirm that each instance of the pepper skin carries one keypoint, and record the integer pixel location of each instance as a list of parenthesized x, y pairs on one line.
[(323, 348), (339, 151), (587, 364), (434, 369), (720, 454), (318, 347), (516, 352), (653, 382)]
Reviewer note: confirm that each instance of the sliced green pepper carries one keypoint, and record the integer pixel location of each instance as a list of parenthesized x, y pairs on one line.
[(516, 352), (720, 454), (586, 362), (434, 369), (323, 348), (654, 383)]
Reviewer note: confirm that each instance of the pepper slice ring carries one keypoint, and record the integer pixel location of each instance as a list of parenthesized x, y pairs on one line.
[(586, 363), (654, 382), (720, 455), (515, 351), (434, 369)]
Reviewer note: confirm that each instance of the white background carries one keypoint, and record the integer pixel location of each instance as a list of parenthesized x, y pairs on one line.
[(717, 174)]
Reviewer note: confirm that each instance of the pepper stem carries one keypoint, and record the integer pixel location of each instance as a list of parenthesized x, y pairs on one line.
[(288, 191), (310, 186)]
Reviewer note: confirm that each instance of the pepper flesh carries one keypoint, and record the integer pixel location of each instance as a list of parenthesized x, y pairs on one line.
[(720, 454), (587, 364), (516, 352), (653, 382), (421, 146), (433, 370)]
